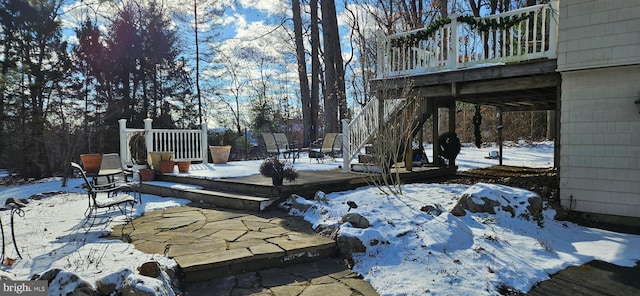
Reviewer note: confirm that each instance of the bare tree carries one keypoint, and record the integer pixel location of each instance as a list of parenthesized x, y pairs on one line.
[(316, 69), (305, 94), (334, 101), (235, 89), (204, 18), (391, 142)]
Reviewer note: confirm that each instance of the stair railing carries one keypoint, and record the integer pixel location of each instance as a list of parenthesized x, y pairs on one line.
[(363, 127)]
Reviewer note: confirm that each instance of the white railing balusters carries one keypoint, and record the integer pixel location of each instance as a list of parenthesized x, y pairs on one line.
[(458, 45), (185, 144), (358, 131)]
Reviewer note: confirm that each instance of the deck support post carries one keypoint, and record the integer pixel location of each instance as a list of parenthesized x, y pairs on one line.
[(408, 152), (452, 123), (558, 135), (435, 128), (499, 136)]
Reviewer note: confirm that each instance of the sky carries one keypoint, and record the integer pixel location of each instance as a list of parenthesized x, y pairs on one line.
[(260, 28), (416, 252), (254, 25)]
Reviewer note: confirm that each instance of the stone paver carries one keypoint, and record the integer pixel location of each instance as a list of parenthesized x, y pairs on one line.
[(245, 253), (325, 277)]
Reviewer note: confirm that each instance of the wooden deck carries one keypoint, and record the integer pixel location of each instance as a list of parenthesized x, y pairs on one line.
[(511, 67), (525, 86), (256, 192)]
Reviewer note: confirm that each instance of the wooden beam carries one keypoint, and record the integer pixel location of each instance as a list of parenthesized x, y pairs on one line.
[(434, 132), (408, 152), (508, 84), (500, 127), (434, 91), (537, 67), (523, 86), (452, 124)]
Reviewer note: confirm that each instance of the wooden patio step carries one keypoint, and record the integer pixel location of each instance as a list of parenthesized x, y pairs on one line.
[(195, 193)]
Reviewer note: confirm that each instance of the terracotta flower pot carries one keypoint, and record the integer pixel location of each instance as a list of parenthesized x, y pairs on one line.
[(91, 162), (147, 174), (157, 156), (166, 166), (183, 166), (220, 154)]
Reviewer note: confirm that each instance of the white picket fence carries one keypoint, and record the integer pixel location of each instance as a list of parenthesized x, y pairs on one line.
[(191, 145)]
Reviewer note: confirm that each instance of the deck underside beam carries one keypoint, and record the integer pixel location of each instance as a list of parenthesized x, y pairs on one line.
[(526, 86)]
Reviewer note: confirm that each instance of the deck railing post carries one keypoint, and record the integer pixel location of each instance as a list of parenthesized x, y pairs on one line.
[(346, 147), (553, 16), (454, 43), (204, 145), (124, 152), (148, 134), (382, 51)]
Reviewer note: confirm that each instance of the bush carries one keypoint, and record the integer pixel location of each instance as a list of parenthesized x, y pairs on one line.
[(278, 170)]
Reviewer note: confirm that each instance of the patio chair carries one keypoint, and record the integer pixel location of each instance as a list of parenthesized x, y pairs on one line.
[(111, 169), (108, 196), (270, 144), (337, 146), (277, 143), (113, 173), (331, 146)]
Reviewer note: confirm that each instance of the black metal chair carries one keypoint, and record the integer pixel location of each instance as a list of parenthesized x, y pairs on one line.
[(112, 196)]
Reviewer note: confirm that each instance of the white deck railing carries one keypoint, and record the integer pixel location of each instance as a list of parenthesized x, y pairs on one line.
[(186, 145), (363, 126), (459, 45)]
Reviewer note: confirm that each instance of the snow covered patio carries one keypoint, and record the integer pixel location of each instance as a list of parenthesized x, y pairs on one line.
[(416, 251)]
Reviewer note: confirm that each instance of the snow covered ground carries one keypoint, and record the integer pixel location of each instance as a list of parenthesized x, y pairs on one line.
[(411, 252)]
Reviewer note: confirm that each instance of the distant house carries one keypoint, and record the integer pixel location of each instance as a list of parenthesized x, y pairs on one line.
[(599, 60), (579, 59)]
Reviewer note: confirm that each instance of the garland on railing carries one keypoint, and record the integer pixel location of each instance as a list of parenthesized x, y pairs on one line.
[(483, 25)]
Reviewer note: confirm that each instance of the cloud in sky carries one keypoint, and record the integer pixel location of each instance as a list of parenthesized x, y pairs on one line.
[(268, 7)]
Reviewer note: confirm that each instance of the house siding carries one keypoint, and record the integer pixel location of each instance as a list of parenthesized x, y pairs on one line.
[(599, 58), (600, 143), (598, 33)]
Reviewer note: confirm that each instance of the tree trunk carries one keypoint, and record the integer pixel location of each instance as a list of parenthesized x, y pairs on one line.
[(335, 105), (198, 91), (305, 96), (316, 70)]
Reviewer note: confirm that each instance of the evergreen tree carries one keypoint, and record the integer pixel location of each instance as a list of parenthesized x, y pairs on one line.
[(35, 53)]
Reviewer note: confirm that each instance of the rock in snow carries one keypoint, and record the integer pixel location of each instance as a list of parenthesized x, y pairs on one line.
[(123, 282)]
